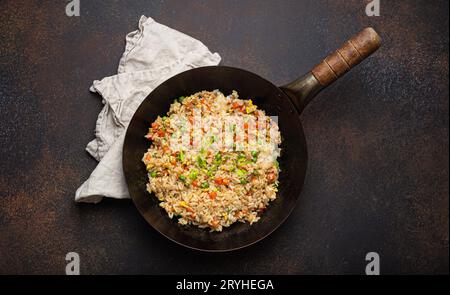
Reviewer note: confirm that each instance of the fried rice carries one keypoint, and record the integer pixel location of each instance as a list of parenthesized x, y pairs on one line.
[(207, 182)]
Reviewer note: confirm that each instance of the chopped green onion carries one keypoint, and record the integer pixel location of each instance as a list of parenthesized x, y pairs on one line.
[(243, 162), (212, 139), (181, 99), (242, 159), (255, 156), (218, 158), (211, 171), (193, 174), (153, 174), (204, 185), (277, 164), (241, 173), (201, 162), (241, 156), (181, 156), (182, 177)]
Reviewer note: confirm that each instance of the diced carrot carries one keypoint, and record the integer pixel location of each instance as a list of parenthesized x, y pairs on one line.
[(235, 105), (155, 125), (195, 183), (214, 223), (271, 177), (226, 181), (160, 133), (212, 195), (218, 180), (245, 125)]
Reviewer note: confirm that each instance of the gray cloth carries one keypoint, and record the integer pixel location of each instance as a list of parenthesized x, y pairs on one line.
[(153, 53)]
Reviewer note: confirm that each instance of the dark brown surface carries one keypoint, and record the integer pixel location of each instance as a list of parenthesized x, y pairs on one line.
[(377, 139)]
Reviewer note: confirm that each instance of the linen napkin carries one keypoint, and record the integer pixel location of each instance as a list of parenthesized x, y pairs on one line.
[(153, 53)]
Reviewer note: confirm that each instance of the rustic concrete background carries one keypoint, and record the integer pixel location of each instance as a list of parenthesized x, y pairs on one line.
[(378, 139)]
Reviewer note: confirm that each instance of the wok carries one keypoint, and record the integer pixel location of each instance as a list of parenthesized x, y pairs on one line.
[(286, 102)]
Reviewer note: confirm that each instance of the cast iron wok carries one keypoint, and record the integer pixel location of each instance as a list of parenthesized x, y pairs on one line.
[(286, 102)]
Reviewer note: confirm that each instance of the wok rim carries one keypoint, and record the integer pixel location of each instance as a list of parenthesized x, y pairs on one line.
[(141, 210)]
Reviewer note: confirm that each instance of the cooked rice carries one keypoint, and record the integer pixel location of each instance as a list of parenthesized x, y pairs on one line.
[(206, 187)]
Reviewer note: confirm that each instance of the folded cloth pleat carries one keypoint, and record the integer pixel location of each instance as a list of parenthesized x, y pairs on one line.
[(153, 53)]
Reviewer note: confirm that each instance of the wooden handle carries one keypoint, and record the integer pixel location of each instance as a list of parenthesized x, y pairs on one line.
[(349, 55)]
